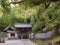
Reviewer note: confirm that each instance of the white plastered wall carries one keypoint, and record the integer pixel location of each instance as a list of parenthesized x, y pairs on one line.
[(16, 35), (9, 35)]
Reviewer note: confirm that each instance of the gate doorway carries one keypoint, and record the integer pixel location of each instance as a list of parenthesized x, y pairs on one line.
[(13, 34), (23, 36), (24, 30)]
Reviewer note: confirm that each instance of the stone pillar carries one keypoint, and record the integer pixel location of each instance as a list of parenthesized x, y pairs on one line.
[(9, 36), (16, 35), (29, 35), (21, 36)]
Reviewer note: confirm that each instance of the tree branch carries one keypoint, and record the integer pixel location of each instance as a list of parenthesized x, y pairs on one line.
[(18, 2), (47, 5), (37, 3)]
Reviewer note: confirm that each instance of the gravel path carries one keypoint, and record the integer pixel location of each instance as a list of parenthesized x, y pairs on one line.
[(13, 42), (1, 43), (18, 42), (28, 42)]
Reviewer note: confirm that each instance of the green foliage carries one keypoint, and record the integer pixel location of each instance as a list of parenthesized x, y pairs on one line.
[(46, 17), (6, 8), (39, 13), (39, 42), (5, 21), (2, 34)]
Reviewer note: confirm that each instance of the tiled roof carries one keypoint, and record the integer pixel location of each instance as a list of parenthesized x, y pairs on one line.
[(23, 25), (9, 28)]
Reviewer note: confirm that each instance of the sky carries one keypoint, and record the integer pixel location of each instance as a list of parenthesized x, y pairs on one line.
[(12, 5)]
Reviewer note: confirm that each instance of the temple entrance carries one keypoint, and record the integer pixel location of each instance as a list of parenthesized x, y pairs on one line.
[(11, 32), (13, 35), (24, 30), (25, 36), (21, 31)]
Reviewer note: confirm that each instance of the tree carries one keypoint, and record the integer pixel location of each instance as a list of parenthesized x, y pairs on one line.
[(42, 16), (48, 18), (5, 21)]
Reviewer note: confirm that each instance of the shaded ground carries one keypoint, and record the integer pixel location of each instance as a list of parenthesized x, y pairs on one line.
[(40, 42)]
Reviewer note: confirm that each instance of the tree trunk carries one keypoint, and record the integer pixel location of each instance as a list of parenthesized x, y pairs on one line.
[(54, 31)]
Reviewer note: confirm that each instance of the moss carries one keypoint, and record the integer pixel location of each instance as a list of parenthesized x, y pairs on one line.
[(55, 39), (39, 42)]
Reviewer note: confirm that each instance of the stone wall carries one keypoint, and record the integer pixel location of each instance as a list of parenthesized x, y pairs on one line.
[(42, 35)]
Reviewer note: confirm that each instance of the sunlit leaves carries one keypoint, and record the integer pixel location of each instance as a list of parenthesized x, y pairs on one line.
[(49, 17), (22, 12), (5, 21), (6, 8), (33, 10)]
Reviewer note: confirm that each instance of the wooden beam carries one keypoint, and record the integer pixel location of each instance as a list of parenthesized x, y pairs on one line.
[(36, 3)]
